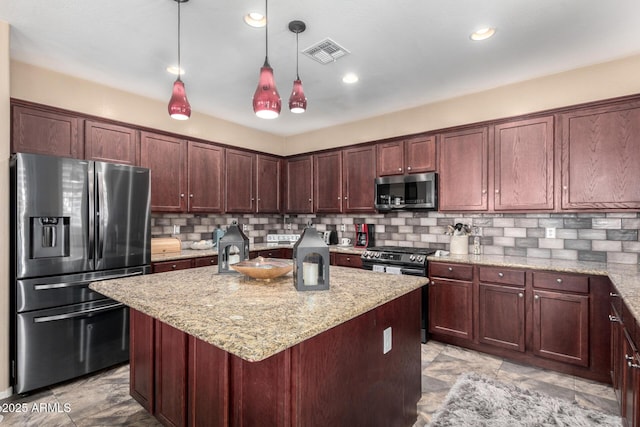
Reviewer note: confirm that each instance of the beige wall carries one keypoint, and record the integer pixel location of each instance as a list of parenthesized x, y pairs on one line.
[(4, 213), (607, 80), (47, 87)]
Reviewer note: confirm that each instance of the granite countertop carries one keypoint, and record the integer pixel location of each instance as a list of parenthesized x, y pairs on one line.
[(625, 277), (251, 319), (196, 253)]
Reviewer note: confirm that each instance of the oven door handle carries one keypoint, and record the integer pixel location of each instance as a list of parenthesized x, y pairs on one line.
[(413, 271), (84, 282), (95, 310)]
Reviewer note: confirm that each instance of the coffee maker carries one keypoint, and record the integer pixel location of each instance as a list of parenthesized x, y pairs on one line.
[(365, 236)]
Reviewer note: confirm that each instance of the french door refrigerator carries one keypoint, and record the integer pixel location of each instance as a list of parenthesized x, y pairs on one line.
[(73, 222)]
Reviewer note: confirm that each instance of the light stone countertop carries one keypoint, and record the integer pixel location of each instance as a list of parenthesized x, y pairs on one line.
[(196, 253), (625, 277), (251, 319)]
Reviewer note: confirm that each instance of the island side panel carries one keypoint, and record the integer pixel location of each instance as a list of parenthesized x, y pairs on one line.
[(170, 375), (141, 359)]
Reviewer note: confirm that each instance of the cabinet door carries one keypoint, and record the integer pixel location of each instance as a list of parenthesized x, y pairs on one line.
[(327, 182), (164, 266), (617, 352), (359, 174), (451, 308), (463, 170), (240, 181), (167, 159), (299, 194), (170, 375), (141, 363), (206, 177), (111, 143), (600, 158), (268, 184), (205, 261), (348, 260), (420, 154), (561, 327), (390, 158), (45, 132), (501, 313), (523, 165)]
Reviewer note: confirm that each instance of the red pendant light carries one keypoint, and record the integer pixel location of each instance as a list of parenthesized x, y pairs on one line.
[(297, 100), (266, 99), (179, 107)]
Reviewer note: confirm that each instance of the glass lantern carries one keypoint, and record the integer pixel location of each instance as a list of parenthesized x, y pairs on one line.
[(232, 248), (311, 262)]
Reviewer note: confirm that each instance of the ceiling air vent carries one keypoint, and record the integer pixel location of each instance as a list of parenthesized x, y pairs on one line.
[(326, 51)]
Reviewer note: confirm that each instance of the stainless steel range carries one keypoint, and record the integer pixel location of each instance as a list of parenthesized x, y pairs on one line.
[(401, 260)]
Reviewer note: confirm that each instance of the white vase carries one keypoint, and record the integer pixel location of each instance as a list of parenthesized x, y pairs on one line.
[(459, 245)]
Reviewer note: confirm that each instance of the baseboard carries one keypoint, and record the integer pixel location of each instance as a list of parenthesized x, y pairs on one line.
[(7, 393)]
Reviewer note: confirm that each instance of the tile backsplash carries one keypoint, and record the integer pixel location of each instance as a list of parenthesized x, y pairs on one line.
[(601, 237)]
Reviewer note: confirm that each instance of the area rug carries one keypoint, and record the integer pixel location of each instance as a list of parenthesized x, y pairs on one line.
[(476, 400)]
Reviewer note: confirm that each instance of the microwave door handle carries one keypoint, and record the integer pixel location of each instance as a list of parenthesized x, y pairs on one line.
[(46, 319)]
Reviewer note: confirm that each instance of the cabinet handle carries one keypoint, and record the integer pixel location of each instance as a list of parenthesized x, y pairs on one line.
[(565, 187), (212, 262), (559, 280), (630, 362), (399, 169), (345, 197), (501, 274), (497, 191), (520, 295), (309, 200), (613, 294), (408, 168), (536, 297), (191, 195), (348, 259), (339, 198), (181, 194), (613, 318), (173, 266), (450, 269), (484, 191)]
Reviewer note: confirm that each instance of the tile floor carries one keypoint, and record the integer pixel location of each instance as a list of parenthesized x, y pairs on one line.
[(103, 399)]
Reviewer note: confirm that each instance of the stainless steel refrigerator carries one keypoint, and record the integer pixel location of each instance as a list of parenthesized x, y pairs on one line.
[(73, 222)]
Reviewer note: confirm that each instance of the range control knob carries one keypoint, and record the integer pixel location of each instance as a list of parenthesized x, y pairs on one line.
[(412, 257), (377, 254), (420, 258)]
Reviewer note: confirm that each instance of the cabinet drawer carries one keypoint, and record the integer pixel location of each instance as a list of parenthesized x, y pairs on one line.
[(206, 261), (561, 282), (348, 260), (451, 271), (501, 275), (267, 253), (161, 267)]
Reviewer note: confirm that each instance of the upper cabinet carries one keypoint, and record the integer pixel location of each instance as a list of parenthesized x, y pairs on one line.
[(359, 174), (600, 157), (463, 177), (206, 182), (41, 131), (240, 181), (167, 159), (299, 184), (414, 155), (523, 165), (327, 182), (111, 143), (268, 182)]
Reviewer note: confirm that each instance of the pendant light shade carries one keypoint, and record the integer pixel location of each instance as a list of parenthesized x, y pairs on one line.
[(297, 100), (266, 100), (179, 107)]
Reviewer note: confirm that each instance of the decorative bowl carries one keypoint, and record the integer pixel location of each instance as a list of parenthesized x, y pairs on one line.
[(263, 268)]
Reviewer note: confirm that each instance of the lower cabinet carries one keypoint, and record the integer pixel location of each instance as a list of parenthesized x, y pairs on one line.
[(554, 320), (347, 260)]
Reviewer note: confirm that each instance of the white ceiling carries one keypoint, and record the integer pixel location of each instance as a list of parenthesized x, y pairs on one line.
[(406, 52)]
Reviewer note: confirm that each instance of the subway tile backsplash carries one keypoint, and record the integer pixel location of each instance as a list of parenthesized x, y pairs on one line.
[(601, 237)]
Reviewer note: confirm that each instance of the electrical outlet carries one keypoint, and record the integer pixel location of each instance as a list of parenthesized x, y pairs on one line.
[(550, 232), (176, 229), (386, 340), (342, 227), (245, 227), (288, 226)]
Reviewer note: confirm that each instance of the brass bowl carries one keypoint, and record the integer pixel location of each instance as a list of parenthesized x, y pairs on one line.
[(263, 268)]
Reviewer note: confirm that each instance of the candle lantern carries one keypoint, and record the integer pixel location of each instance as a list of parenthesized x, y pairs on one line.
[(311, 262), (232, 248)]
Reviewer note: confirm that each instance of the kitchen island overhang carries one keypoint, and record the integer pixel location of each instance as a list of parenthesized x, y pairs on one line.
[(277, 354)]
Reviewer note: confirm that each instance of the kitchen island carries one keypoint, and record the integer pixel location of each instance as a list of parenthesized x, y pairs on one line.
[(216, 349)]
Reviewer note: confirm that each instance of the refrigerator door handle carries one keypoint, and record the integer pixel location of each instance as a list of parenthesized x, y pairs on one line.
[(91, 219), (71, 315), (84, 282), (100, 213)]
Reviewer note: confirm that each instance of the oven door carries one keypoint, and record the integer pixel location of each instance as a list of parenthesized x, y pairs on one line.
[(61, 343)]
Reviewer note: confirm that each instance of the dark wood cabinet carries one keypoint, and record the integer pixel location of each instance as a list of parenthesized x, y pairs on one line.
[(164, 266), (451, 300), (240, 173), (523, 165), (170, 375), (141, 362), (43, 131), (111, 143), (167, 159), (348, 260), (205, 261), (299, 184), (414, 155), (600, 157), (268, 184), (463, 179), (359, 174), (327, 182), (501, 308), (267, 253), (206, 177)]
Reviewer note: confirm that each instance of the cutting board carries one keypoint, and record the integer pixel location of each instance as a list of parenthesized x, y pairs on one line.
[(165, 245)]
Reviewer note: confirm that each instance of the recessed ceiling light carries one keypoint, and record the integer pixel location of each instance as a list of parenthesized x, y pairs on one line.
[(482, 34), (350, 78), (255, 19), (174, 70)]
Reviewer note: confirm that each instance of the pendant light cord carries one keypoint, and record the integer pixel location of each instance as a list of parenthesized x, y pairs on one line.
[(266, 31), (179, 65), (297, 56)]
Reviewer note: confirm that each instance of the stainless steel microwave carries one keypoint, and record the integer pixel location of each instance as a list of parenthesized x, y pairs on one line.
[(403, 192)]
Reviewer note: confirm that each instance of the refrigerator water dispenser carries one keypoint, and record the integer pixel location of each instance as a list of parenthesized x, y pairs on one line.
[(49, 236)]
